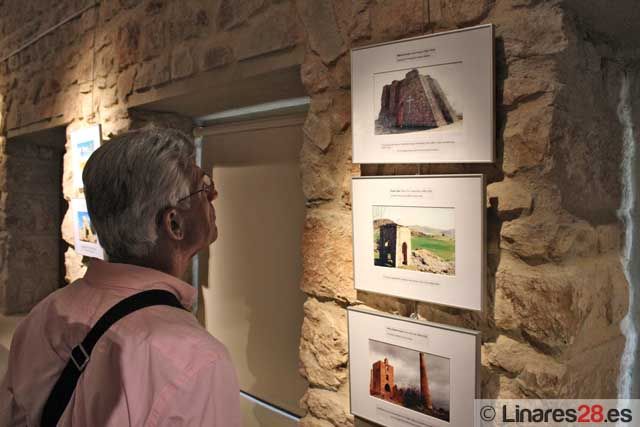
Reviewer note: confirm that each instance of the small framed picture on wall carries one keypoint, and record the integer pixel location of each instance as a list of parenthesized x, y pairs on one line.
[(84, 142), (427, 99), (85, 238), (420, 238), (411, 373)]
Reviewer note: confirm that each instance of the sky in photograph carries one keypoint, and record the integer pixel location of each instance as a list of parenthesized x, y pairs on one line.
[(406, 368), (440, 218)]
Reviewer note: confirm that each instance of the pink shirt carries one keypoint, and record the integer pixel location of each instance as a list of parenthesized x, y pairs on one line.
[(155, 367)]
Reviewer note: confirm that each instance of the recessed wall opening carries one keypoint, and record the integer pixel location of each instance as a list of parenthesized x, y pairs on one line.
[(35, 208), (251, 297), (250, 135)]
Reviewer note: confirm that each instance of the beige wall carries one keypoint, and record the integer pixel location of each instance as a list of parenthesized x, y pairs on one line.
[(556, 289), (252, 300)]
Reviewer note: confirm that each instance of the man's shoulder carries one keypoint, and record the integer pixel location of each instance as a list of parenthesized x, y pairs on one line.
[(172, 335)]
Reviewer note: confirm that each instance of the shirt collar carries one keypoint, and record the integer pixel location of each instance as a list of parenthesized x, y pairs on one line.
[(138, 278)]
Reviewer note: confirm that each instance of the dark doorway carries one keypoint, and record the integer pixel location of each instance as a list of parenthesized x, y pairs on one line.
[(35, 207), (404, 253)]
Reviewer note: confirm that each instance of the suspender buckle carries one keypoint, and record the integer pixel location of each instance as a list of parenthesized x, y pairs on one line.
[(79, 357)]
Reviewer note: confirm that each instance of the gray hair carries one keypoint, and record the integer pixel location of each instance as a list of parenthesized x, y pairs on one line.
[(129, 180)]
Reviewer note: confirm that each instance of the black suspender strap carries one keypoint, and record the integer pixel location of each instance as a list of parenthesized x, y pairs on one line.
[(64, 387)]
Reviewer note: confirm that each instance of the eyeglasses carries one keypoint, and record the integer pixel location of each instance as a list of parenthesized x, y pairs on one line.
[(207, 187)]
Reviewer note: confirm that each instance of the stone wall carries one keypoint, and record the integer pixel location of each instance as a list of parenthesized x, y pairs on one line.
[(32, 211), (556, 290)]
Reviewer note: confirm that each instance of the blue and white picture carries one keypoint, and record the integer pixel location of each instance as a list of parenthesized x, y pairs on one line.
[(83, 143)]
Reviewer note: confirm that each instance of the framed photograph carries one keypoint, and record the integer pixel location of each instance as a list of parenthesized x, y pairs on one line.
[(85, 238), (427, 99), (411, 373), (83, 142), (420, 238)]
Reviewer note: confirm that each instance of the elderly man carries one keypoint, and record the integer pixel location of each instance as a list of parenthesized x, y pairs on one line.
[(151, 207)]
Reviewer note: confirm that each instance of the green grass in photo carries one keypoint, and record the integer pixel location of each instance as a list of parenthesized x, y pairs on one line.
[(444, 247)]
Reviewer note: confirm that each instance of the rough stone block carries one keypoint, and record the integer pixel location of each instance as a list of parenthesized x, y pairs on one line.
[(609, 238), (323, 173), (354, 18), (323, 344), (86, 105), (13, 117), (129, 4), (34, 286), (513, 198), (274, 30), (593, 372), (125, 83), (214, 57), (3, 115), (327, 255), (546, 235), (550, 305), (391, 20), (233, 13), (128, 42), (25, 248), (314, 74), (586, 160), (529, 78), (117, 125), (153, 40), (68, 188), (189, 19), (536, 374), (508, 388), (67, 227), (536, 301), (449, 315), (317, 130), (153, 73), (529, 31), (66, 104), (29, 213), (341, 112), (329, 405), (322, 31), (83, 72), (386, 303), (30, 285), (575, 239), (341, 73), (35, 175), (182, 63), (105, 60), (527, 135), (107, 97), (320, 103), (74, 267), (448, 14), (311, 421)]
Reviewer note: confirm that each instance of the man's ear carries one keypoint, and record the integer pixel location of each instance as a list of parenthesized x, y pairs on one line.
[(173, 224)]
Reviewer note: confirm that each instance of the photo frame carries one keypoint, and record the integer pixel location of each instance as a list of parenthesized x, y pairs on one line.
[(426, 99), (84, 142), (411, 373), (420, 238), (85, 239)]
